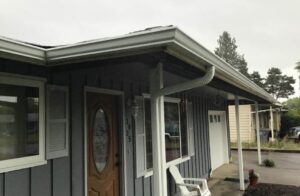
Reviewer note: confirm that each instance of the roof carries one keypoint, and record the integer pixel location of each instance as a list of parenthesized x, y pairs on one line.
[(169, 39)]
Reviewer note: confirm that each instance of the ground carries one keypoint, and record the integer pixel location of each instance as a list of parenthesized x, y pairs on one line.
[(286, 172)]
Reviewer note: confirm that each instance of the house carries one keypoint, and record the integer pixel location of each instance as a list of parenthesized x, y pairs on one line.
[(267, 121), (109, 116)]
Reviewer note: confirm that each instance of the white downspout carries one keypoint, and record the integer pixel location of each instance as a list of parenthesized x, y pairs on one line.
[(257, 133), (158, 128)]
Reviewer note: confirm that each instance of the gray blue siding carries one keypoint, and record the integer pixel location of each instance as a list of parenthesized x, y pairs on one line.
[(65, 176)]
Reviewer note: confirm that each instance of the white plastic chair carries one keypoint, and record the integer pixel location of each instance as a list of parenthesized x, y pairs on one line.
[(200, 189)]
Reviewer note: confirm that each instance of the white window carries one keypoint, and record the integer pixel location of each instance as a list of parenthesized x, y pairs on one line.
[(22, 121), (179, 135)]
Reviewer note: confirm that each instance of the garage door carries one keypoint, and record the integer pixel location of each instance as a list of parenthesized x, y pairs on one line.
[(218, 138)]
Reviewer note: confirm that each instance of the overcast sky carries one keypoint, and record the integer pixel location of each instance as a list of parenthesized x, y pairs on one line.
[(267, 32)]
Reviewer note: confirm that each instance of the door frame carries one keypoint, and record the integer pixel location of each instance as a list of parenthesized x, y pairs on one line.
[(122, 137), (221, 112)]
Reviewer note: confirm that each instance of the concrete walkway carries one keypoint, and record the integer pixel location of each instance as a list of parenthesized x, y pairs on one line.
[(287, 172)]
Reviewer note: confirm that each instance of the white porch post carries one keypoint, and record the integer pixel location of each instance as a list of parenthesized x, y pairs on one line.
[(271, 123), (239, 144), (158, 134), (257, 133)]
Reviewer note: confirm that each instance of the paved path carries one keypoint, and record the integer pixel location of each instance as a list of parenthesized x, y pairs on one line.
[(287, 172)]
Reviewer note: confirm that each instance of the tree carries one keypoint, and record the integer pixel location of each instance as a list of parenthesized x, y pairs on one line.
[(298, 69), (293, 104), (227, 51), (278, 85), (257, 79)]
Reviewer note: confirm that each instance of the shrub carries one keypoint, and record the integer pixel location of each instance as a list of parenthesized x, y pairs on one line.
[(269, 163), (288, 120)]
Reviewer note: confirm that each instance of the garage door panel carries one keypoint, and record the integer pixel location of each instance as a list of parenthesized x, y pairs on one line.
[(218, 138)]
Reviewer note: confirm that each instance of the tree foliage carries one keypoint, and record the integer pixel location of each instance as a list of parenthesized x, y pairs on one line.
[(298, 69), (293, 104), (278, 85), (257, 79), (227, 50)]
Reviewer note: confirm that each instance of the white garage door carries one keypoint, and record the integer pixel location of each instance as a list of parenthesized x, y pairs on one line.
[(218, 138)]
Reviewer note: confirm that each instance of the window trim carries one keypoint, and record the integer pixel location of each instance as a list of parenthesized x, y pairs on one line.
[(35, 160), (182, 158)]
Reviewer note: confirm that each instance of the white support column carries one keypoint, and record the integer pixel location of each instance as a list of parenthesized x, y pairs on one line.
[(158, 134), (257, 133), (271, 123), (239, 144)]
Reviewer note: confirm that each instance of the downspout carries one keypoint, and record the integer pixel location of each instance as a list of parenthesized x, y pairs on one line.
[(186, 85), (158, 127)]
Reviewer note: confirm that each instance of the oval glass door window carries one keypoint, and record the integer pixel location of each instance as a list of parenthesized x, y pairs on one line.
[(100, 139)]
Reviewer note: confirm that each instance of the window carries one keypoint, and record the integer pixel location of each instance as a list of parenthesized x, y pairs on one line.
[(21, 123), (179, 136)]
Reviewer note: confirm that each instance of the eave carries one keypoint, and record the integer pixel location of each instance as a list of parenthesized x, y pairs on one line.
[(168, 39)]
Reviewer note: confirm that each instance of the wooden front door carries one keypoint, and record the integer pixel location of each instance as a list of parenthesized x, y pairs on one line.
[(103, 157)]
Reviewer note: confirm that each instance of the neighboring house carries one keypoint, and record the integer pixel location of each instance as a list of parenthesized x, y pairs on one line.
[(90, 119), (248, 123)]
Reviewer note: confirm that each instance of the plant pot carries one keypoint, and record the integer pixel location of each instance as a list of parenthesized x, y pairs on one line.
[(253, 181)]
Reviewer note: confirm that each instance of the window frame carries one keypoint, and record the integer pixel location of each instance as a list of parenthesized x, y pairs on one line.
[(34, 160), (181, 159)]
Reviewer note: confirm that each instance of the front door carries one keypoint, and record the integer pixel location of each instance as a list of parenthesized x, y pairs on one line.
[(103, 166)]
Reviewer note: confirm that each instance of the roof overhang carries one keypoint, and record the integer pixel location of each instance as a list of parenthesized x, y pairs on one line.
[(168, 39)]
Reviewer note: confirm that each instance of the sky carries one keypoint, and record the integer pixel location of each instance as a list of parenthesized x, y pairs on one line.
[(267, 32)]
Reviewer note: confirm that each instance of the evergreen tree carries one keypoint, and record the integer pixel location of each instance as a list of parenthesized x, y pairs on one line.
[(257, 79), (298, 69), (227, 51), (278, 85)]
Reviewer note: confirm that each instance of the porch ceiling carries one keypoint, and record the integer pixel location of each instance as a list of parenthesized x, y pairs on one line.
[(168, 39)]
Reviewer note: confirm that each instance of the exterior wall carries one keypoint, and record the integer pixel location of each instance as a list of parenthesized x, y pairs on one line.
[(65, 176), (247, 133)]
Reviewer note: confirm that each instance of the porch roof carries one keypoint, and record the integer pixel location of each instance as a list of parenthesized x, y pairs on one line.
[(169, 39)]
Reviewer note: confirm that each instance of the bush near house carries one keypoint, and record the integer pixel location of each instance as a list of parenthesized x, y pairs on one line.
[(288, 120), (292, 117)]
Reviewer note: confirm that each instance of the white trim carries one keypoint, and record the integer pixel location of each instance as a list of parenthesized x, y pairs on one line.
[(123, 169), (62, 152), (35, 160), (223, 113)]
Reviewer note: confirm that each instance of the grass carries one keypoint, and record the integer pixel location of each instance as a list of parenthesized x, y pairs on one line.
[(283, 144)]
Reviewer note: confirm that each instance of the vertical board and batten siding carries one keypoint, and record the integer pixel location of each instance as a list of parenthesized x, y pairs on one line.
[(65, 176)]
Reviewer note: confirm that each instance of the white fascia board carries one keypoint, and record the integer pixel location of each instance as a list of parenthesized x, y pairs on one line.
[(224, 71), (15, 50), (128, 43)]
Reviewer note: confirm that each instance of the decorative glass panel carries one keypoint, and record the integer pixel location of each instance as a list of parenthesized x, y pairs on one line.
[(211, 118), (100, 139), (19, 121)]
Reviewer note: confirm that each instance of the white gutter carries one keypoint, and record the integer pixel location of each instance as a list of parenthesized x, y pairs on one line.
[(158, 128), (168, 39), (16, 50)]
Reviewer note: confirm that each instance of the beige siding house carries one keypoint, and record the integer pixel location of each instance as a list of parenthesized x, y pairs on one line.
[(247, 122)]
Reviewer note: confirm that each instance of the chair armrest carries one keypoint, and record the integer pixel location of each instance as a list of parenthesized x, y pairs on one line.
[(189, 185), (195, 179), (195, 186), (203, 181)]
